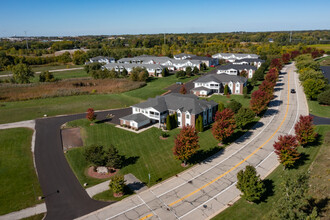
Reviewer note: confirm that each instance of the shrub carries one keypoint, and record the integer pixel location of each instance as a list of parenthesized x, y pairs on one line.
[(244, 116), (91, 116), (250, 184), (112, 157), (94, 154), (234, 105), (324, 97), (117, 183)]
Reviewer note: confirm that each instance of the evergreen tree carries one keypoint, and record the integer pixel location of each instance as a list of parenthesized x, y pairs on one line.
[(113, 159), (221, 106), (226, 90), (250, 184), (117, 184), (168, 123)]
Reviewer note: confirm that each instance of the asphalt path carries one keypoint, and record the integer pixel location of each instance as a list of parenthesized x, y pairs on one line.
[(320, 120), (64, 196)]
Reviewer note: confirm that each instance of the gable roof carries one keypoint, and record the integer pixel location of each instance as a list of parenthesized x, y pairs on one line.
[(139, 117), (181, 55), (175, 101), (249, 60), (237, 55), (221, 78), (201, 58), (236, 67)]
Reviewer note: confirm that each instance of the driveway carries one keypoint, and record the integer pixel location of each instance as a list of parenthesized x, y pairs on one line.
[(64, 196), (320, 120)]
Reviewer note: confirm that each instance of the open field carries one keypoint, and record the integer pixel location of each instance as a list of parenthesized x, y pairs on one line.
[(18, 92), (19, 184), (239, 98), (319, 110), (145, 152), (325, 47), (31, 109), (244, 210), (40, 68)]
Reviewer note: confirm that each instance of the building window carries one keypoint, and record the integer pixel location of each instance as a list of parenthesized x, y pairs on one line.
[(187, 116), (179, 114)]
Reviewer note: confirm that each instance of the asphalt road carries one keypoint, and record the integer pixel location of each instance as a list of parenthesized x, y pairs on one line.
[(64, 196)]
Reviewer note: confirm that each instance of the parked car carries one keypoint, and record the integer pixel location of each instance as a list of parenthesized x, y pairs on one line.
[(293, 91), (179, 83)]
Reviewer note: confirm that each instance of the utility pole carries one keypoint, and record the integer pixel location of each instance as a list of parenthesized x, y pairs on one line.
[(27, 45)]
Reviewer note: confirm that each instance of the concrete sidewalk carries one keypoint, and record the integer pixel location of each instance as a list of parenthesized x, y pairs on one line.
[(24, 213)]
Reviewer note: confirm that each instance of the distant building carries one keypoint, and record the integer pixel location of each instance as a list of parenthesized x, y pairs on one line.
[(155, 110), (248, 61), (101, 59), (153, 69), (215, 84), (171, 64), (183, 56), (236, 69), (231, 57), (209, 61)]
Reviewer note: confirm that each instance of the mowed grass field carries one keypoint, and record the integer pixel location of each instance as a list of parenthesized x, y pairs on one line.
[(319, 110), (145, 152), (31, 109), (19, 186), (244, 210)]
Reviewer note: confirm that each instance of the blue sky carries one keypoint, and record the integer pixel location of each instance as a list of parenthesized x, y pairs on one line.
[(73, 17)]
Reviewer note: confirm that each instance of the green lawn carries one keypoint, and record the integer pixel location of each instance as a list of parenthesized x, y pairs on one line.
[(31, 109), (19, 183), (244, 210), (108, 195), (239, 98), (69, 74), (316, 109), (146, 153)]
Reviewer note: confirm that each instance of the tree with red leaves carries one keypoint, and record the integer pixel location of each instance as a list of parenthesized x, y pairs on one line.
[(186, 144), (91, 116), (224, 124), (286, 58), (315, 54), (272, 76), (286, 150), (267, 87), (183, 90), (277, 63), (305, 130), (294, 54), (259, 101)]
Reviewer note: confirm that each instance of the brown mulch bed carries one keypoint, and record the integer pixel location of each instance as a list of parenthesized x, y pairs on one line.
[(94, 174)]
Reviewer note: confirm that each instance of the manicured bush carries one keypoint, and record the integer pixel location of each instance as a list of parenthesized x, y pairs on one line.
[(234, 105), (324, 97), (117, 184)]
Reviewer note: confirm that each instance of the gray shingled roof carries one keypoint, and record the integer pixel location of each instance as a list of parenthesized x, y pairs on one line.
[(202, 88), (221, 78), (184, 55), (175, 101), (250, 60), (111, 66), (242, 55), (201, 58), (236, 67), (136, 117)]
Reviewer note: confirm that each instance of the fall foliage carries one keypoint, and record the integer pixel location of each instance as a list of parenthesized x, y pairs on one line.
[(186, 143), (91, 116), (286, 150), (224, 124), (305, 130), (259, 101)]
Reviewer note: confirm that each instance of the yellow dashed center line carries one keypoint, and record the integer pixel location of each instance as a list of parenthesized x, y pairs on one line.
[(147, 216), (245, 159)]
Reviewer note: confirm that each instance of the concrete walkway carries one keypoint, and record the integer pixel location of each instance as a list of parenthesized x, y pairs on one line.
[(208, 188), (131, 181), (38, 209)]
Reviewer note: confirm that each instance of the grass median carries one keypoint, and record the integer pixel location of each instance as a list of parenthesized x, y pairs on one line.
[(244, 210), (19, 184)]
